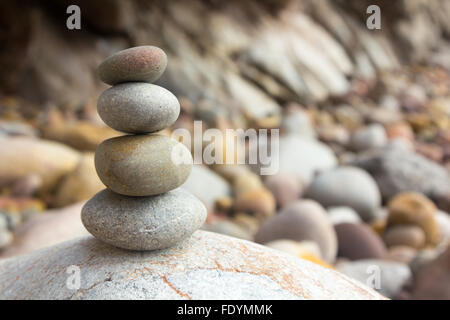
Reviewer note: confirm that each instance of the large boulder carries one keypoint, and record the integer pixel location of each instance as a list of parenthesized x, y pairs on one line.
[(205, 266)]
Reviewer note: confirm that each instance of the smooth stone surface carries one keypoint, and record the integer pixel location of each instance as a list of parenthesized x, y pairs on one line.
[(143, 223), (343, 215), (346, 186), (6, 238), (298, 155), (443, 222), (407, 235), (228, 228), (144, 63), (207, 185), (358, 241), (260, 203), (372, 136), (23, 156), (397, 170), (403, 254), (295, 248), (142, 165), (414, 208), (80, 184), (206, 266), (432, 280), (138, 107), (299, 221), (284, 187), (392, 275), (47, 229)]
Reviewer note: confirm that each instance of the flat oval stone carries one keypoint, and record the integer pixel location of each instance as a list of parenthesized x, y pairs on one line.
[(138, 107), (142, 165), (144, 63), (143, 223)]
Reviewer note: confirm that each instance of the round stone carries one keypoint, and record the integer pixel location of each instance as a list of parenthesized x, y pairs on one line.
[(144, 63), (347, 186), (414, 208), (142, 165), (143, 223), (138, 107), (406, 235), (357, 241)]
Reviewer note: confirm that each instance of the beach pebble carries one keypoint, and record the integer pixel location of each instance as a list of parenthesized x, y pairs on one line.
[(299, 156), (403, 254), (6, 238), (207, 185), (398, 170), (414, 208), (142, 165), (228, 228), (432, 280), (299, 221), (260, 203), (143, 223), (443, 222), (372, 136), (144, 63), (358, 241), (346, 186), (296, 248), (284, 187), (343, 215), (406, 235), (138, 107)]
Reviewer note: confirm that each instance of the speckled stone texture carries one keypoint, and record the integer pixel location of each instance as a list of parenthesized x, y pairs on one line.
[(143, 223), (138, 107), (206, 266), (142, 165), (144, 63)]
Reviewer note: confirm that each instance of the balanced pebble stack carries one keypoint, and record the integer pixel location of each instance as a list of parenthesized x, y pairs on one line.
[(142, 207)]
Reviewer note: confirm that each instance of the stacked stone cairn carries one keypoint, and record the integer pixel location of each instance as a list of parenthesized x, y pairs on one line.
[(143, 207)]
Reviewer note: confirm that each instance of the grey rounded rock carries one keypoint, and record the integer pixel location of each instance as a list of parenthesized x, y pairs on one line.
[(142, 165), (347, 186), (205, 266), (144, 63), (373, 136), (138, 107), (143, 223)]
